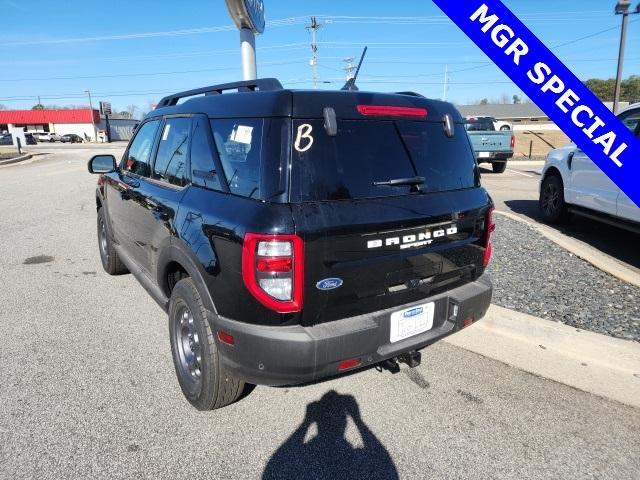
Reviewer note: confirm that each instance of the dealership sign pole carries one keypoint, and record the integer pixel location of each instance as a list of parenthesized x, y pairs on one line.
[(248, 16)]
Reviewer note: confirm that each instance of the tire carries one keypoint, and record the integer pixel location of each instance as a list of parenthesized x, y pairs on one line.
[(552, 205), (203, 380), (108, 255), (504, 128), (499, 167)]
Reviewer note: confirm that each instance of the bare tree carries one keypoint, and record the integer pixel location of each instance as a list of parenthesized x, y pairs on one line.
[(131, 109), (504, 98), (3, 107)]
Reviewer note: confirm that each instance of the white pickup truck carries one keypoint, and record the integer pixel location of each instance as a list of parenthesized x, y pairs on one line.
[(572, 184)]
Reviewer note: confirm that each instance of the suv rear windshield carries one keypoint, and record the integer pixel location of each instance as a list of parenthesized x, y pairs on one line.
[(363, 152)]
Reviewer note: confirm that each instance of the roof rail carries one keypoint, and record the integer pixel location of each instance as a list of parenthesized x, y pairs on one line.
[(244, 86), (412, 94)]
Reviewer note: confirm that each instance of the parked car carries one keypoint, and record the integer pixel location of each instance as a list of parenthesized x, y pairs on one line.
[(572, 184), (489, 145), (296, 235), (71, 138), (501, 125), (6, 139), (46, 136), (30, 139)]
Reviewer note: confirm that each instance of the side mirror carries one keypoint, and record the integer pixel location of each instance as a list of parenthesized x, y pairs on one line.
[(102, 164)]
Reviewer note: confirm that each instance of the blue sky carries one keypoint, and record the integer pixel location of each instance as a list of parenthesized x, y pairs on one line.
[(134, 52)]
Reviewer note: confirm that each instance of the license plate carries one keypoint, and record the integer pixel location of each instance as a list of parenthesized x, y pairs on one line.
[(411, 321), (484, 154)]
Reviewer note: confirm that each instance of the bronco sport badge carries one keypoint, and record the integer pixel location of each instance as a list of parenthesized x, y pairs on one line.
[(414, 240)]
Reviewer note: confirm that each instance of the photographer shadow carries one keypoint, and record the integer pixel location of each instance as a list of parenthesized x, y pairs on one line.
[(328, 455)]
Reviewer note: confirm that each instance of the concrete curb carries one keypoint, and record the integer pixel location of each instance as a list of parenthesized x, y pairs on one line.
[(580, 249), (605, 366), (21, 158)]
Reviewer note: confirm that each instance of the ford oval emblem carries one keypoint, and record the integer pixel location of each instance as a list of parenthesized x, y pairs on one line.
[(329, 283)]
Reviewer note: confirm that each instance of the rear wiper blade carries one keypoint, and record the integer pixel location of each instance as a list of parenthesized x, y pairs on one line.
[(401, 181)]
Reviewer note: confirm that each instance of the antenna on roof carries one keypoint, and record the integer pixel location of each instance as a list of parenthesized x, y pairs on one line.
[(351, 83)]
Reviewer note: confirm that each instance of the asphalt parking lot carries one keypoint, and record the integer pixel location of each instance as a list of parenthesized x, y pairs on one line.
[(88, 388)]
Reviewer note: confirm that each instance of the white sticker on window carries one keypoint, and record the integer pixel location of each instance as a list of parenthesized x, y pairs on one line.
[(304, 140), (165, 134), (242, 134)]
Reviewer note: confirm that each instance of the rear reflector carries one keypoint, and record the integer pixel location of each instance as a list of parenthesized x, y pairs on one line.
[(467, 321), (225, 337), (347, 364), (390, 111)]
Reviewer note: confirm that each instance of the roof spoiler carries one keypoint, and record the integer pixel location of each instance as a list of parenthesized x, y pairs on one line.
[(261, 84)]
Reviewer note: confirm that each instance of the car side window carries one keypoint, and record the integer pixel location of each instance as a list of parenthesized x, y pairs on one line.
[(139, 152), (173, 151), (203, 167), (239, 145), (632, 121)]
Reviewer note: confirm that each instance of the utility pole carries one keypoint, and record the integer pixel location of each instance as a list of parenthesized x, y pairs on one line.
[(95, 130), (446, 83), (622, 8), (313, 28), (39, 102), (350, 68)]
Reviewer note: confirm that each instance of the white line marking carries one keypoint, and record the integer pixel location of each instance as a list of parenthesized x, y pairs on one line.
[(520, 173)]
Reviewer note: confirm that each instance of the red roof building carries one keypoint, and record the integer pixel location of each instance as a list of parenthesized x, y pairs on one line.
[(44, 117)]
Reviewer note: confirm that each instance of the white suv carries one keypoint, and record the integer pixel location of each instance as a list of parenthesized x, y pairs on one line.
[(46, 137), (572, 183)]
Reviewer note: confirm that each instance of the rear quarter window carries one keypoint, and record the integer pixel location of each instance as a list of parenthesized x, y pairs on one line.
[(252, 155)]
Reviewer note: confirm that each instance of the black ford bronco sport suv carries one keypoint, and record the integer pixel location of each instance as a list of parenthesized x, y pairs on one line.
[(295, 235)]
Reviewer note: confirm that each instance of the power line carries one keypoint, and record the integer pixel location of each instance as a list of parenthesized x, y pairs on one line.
[(145, 74)]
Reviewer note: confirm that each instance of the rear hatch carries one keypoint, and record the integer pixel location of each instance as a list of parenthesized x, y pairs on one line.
[(370, 245)]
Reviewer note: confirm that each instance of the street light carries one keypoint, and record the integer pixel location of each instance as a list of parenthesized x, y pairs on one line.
[(622, 8)]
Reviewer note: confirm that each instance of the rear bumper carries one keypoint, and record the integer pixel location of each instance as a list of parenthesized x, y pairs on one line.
[(495, 157), (292, 355)]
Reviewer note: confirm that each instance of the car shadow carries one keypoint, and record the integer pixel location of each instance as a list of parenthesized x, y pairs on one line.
[(328, 454), (615, 242)]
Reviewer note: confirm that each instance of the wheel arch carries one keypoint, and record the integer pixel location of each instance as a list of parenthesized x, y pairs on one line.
[(553, 171), (176, 258)]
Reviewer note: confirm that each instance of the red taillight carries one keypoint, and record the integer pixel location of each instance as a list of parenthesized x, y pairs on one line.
[(347, 364), (513, 141), (225, 337), (390, 111), (275, 264), (489, 228), (273, 270)]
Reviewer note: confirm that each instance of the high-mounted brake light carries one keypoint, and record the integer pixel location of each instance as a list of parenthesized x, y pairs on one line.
[(489, 228), (391, 111), (273, 270)]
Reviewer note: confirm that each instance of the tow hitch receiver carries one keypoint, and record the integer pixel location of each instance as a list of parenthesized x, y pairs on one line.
[(412, 359)]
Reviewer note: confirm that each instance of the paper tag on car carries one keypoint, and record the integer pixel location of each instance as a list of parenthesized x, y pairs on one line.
[(242, 134)]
